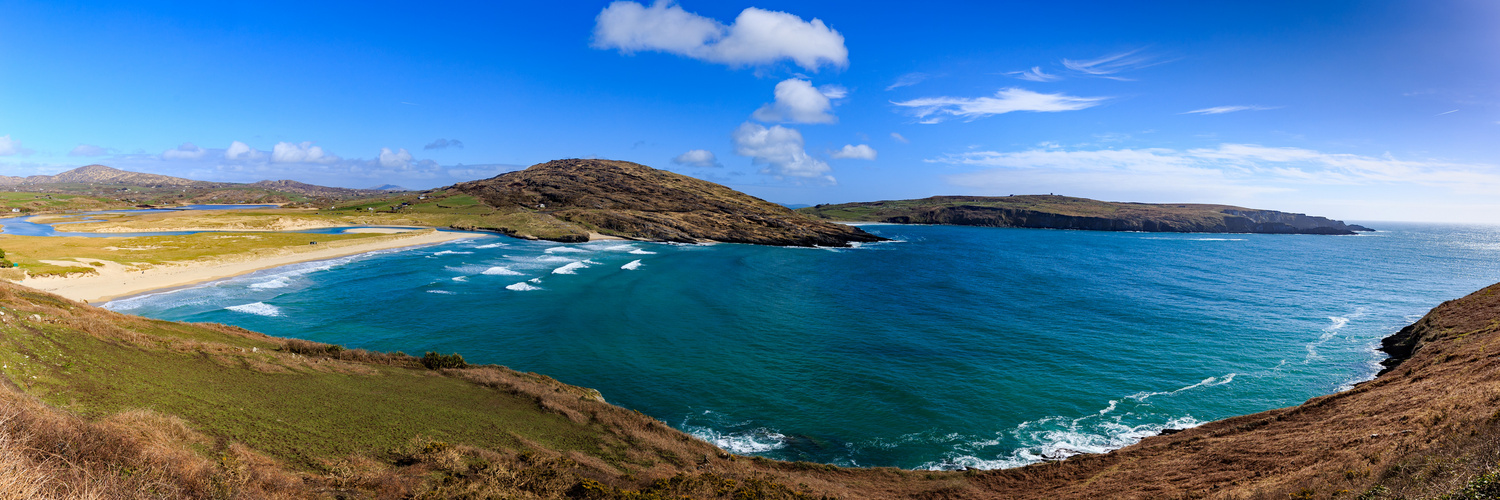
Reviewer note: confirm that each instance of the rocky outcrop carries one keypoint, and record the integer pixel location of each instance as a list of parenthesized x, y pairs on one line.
[(637, 201)]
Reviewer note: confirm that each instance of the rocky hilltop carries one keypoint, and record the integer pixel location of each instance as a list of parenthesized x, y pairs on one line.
[(636, 201), (1063, 212)]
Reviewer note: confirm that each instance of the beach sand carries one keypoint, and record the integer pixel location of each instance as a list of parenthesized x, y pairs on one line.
[(115, 280)]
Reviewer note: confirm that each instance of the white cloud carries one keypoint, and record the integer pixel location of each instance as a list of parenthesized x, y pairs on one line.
[(757, 37), (697, 158), (1219, 110), (834, 92), (286, 152), (88, 150), (395, 159), (907, 80), (900, 138), (1035, 74), (239, 151), (780, 149), (1446, 112), (1227, 170), (187, 151), (1106, 66), (850, 151), (935, 109), (798, 102), (11, 147)]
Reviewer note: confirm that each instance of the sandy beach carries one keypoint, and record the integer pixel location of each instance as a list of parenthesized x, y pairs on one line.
[(115, 280)]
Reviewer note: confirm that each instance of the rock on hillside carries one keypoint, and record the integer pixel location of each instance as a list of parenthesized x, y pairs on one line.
[(638, 201)]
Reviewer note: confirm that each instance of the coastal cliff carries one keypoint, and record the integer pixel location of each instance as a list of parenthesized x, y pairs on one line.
[(635, 201), (1063, 212)]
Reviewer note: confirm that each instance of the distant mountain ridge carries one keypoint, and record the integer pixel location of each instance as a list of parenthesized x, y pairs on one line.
[(1064, 212), (100, 174), (105, 176)]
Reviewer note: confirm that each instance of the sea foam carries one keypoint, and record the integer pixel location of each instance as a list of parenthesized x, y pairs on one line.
[(500, 271), (257, 308), (492, 245), (522, 287), (570, 269), (632, 265)]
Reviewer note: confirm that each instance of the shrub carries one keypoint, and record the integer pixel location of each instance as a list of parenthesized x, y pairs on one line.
[(435, 361)]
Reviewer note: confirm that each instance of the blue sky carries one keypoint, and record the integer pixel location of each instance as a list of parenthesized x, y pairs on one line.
[(1354, 110)]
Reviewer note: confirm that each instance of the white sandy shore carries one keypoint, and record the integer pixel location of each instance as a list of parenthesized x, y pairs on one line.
[(117, 280)]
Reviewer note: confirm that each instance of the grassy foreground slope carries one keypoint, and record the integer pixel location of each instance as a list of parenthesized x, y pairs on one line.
[(1065, 212), (95, 404)]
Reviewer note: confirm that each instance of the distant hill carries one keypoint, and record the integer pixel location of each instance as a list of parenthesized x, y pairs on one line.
[(1064, 212), (154, 189), (388, 187), (637, 201), (100, 174), (313, 190)]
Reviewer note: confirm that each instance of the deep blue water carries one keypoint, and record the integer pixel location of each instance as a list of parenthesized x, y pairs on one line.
[(953, 346)]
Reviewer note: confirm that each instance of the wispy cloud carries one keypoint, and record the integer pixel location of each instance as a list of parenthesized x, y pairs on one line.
[(1446, 112), (1007, 100), (907, 80), (1108, 66), (900, 138), (443, 144), (1227, 169), (1219, 110), (88, 150), (756, 38), (1034, 74)]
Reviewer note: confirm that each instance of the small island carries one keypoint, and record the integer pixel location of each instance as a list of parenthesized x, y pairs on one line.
[(1065, 212)]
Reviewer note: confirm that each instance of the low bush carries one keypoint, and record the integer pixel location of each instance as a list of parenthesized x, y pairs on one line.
[(435, 361)]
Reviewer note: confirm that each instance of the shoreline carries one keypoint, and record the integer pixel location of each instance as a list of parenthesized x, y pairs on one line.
[(113, 281)]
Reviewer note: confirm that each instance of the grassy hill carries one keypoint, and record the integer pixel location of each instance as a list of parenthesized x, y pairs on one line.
[(1064, 212)]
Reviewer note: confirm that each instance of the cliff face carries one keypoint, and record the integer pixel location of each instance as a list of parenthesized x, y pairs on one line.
[(1059, 212), (636, 201)]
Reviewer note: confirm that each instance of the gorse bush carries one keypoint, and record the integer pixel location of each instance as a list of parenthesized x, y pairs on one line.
[(435, 361)]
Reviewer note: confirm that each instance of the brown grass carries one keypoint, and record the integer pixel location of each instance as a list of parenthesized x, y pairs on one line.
[(47, 454)]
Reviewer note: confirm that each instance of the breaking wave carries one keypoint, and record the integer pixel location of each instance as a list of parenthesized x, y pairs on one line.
[(632, 265), (257, 308), (522, 287), (500, 271)]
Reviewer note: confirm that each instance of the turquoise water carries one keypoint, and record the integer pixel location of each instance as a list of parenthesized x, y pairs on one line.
[(950, 347)]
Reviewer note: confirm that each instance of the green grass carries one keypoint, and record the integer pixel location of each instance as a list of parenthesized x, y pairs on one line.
[(272, 401)]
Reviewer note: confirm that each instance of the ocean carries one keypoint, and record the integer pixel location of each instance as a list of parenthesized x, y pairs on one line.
[(948, 347)]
